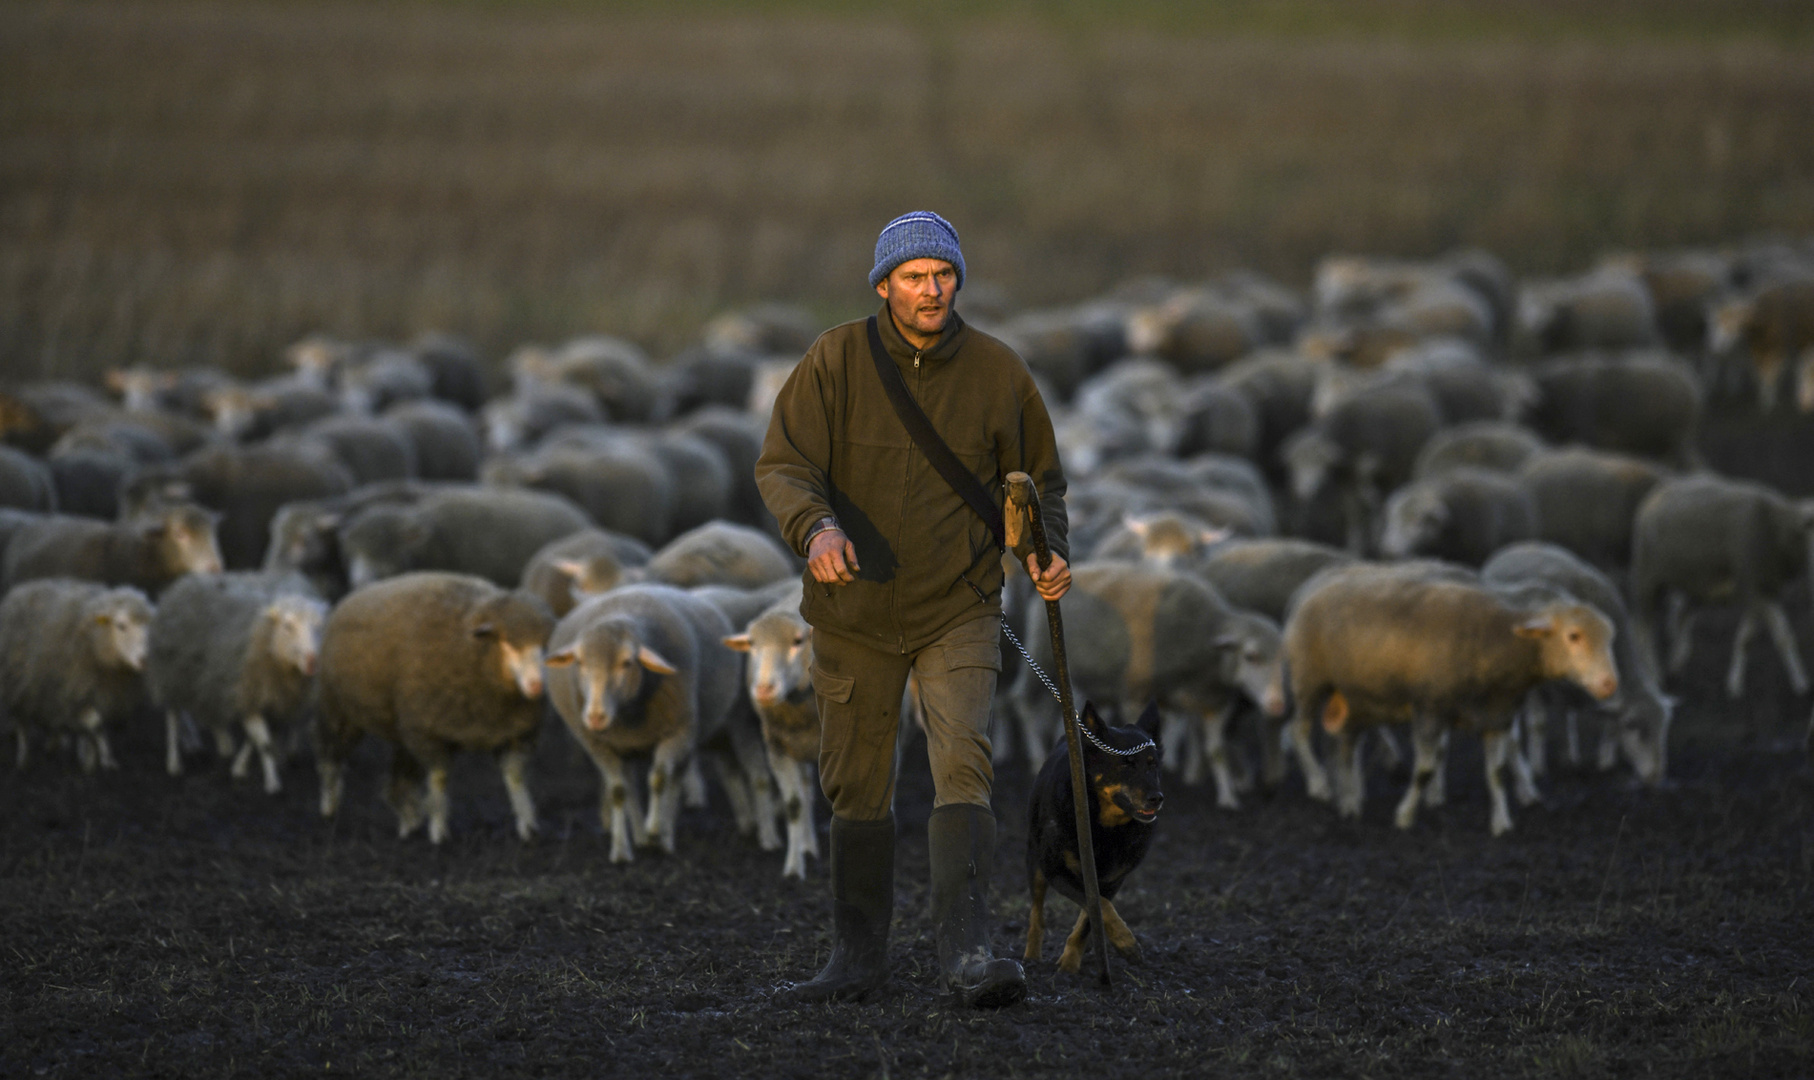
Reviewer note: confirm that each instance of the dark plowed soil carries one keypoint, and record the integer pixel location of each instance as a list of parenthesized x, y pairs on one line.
[(195, 927)]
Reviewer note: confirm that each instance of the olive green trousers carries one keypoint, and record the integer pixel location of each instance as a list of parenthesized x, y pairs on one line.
[(860, 693)]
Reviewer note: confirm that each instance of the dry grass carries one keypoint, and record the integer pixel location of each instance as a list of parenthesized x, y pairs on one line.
[(202, 183)]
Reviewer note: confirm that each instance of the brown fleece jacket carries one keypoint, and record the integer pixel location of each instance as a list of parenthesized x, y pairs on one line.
[(836, 448)]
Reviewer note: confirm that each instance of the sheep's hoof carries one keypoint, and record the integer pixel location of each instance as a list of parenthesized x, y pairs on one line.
[(526, 831), (1501, 825), (621, 854)]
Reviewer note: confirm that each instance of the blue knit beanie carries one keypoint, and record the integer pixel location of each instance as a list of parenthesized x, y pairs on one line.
[(919, 235)]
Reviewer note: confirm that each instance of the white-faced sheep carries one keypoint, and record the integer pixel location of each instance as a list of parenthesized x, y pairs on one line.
[(432, 663), (570, 570), (71, 658), (234, 650), (147, 553), (778, 676)]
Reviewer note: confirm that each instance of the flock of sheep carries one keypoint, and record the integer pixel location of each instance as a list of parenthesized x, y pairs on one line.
[(1425, 494)]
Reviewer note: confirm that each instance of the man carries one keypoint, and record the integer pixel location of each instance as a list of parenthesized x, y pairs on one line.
[(903, 576)]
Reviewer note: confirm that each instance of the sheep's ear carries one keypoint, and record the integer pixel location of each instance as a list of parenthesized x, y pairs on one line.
[(151, 529), (738, 642), (116, 380), (1138, 526), (1214, 536), (654, 661), (1228, 642), (561, 659), (1540, 627), (103, 620), (484, 630), (573, 568)]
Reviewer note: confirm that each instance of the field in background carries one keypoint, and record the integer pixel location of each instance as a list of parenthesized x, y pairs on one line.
[(184, 183)]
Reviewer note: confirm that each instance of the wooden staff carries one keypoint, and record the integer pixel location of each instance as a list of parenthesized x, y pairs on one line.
[(1024, 498)]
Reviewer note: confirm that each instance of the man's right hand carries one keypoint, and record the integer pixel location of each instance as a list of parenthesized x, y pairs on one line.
[(832, 558)]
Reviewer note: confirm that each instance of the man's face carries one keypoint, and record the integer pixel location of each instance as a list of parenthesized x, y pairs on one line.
[(919, 294)]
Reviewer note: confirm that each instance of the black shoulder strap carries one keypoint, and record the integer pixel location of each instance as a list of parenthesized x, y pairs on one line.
[(926, 437)]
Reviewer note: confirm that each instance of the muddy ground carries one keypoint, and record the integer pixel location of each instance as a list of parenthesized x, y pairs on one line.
[(159, 927)]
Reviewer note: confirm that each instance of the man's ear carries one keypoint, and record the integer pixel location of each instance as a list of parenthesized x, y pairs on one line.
[(882, 288)]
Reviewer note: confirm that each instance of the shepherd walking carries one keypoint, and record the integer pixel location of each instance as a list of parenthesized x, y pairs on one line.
[(906, 577)]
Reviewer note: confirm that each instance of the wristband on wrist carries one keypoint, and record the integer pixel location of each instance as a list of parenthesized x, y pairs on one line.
[(820, 526)]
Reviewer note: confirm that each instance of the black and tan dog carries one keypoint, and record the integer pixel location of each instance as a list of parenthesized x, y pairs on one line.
[(1121, 765)]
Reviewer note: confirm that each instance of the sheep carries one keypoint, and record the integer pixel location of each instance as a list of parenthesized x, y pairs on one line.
[(1196, 329), (778, 677), (1683, 286), (702, 377), (370, 449), (431, 663), (1479, 444), (248, 485), (1139, 633), (700, 486), (1165, 539), (34, 416), (762, 328), (622, 486), (1214, 417), (148, 552), (1775, 327), (488, 532), (381, 378), (445, 443), (1226, 493), (1587, 499), (1423, 643), (721, 553), (88, 481), (1366, 445), (1141, 391), (565, 572), (71, 658), (1643, 404), (1608, 308), (230, 650), (532, 411), (642, 670), (153, 392), (614, 372), (1707, 539), (738, 437), (25, 482), (253, 413), (1462, 516), (1065, 346), (305, 535), (1279, 384), (456, 373), (1640, 718), (1262, 575)]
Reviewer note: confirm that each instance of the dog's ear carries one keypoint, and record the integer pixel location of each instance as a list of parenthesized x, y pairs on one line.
[(1091, 721), (1150, 720)]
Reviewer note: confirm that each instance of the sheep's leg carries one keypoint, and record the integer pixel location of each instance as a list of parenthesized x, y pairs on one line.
[(1607, 754), (1274, 735), (331, 751), (1786, 647), (1316, 780), (794, 804), (85, 753), (1036, 918), (617, 807), (22, 747), (693, 785), (1681, 635), (242, 760), (1741, 640), (1426, 748), (1348, 772), (437, 803), (1436, 793), (1536, 732), (258, 734), (513, 764), (1496, 746), (94, 728), (173, 749), (1524, 785), (1215, 750), (404, 791), (1388, 752), (746, 746), (1176, 730), (191, 734), (737, 792), (223, 743), (664, 791)]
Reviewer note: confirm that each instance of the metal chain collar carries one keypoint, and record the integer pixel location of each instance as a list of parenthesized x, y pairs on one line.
[(1088, 735)]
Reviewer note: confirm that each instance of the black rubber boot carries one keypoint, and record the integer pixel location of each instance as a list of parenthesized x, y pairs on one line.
[(961, 838), (862, 894)]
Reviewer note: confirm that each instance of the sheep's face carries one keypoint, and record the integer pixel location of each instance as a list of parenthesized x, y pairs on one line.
[(587, 578), (381, 543), (185, 539), (780, 648), (233, 409), (1310, 456), (123, 624), (1727, 325), (613, 668), (315, 360), (514, 625), (1253, 658), (1167, 540), (1414, 518), (1576, 644), (295, 624), (504, 425)]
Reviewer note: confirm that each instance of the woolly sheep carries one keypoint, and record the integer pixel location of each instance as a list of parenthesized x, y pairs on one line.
[(148, 552), (432, 663), (231, 650), (721, 553), (567, 571), (71, 657), (488, 532)]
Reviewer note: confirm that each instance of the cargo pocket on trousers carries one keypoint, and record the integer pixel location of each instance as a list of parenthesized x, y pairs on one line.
[(973, 655), (836, 688)]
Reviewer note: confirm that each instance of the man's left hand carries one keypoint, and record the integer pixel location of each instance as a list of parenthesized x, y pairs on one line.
[(1052, 582)]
